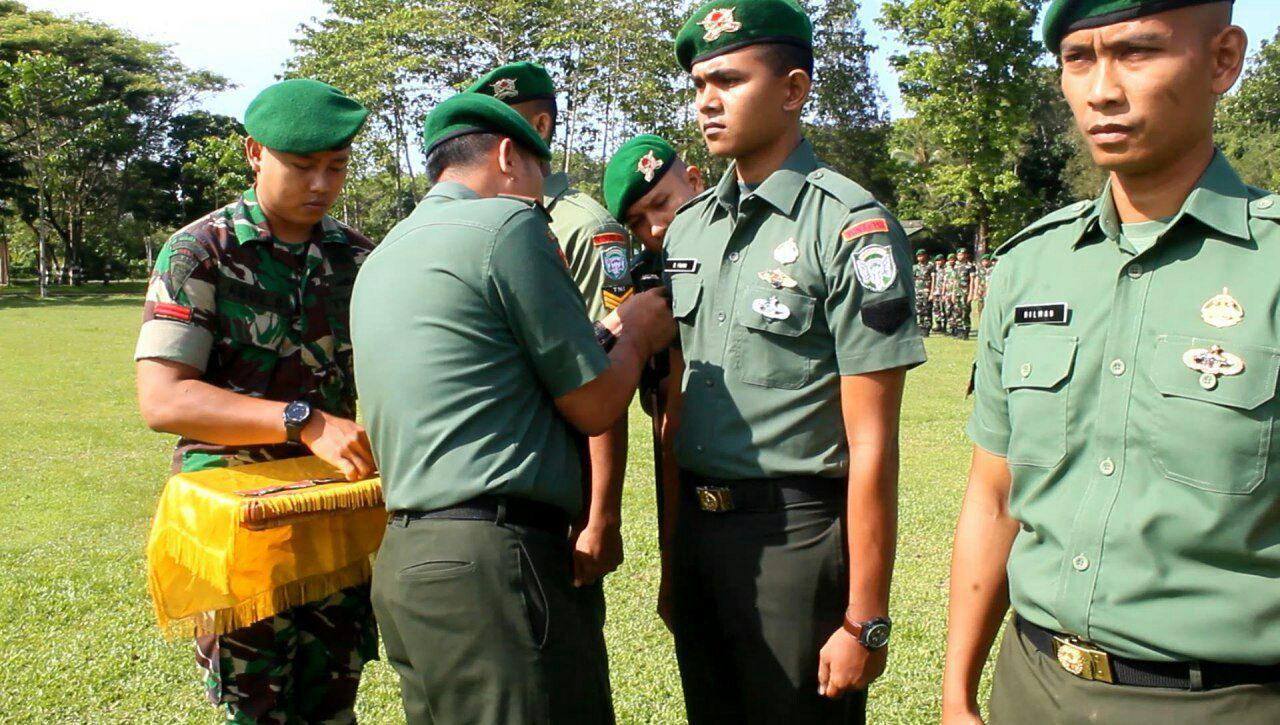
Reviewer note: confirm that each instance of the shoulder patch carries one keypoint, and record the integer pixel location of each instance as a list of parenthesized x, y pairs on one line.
[(186, 254), (1267, 207), (1053, 219), (862, 229), (842, 188)]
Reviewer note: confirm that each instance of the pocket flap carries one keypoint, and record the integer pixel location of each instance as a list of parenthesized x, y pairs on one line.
[(686, 290), (799, 311), (1037, 360), (1246, 391)]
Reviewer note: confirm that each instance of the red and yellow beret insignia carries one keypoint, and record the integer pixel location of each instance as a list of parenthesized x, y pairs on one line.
[(718, 22), (505, 88), (648, 166), (862, 229)]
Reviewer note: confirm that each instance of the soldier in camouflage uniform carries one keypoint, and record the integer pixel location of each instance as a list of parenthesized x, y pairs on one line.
[(935, 292), (245, 353), (962, 295), (949, 295), (923, 273)]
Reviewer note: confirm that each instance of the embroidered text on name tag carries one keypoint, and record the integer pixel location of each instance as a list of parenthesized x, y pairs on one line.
[(1046, 314)]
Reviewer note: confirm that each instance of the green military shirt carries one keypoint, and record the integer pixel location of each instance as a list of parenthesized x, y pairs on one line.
[(1144, 483), (466, 328), (595, 245), (778, 295)]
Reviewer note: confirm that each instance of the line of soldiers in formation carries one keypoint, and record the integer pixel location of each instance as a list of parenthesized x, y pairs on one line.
[(947, 288), (1121, 508)]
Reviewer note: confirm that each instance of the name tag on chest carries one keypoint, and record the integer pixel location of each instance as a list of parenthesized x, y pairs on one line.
[(682, 266), (1054, 313)]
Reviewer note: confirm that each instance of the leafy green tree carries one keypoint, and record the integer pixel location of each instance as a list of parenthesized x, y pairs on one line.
[(1249, 120)]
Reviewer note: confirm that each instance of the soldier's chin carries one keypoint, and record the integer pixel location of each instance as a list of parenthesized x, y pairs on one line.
[(312, 213)]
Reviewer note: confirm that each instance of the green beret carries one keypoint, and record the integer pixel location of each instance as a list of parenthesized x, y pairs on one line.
[(302, 116), (516, 83), (636, 167), (1067, 16), (921, 253), (951, 257), (723, 26), (468, 113), (938, 258)]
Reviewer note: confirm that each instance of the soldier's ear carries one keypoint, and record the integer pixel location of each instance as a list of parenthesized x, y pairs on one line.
[(694, 175), (253, 153), (798, 86)]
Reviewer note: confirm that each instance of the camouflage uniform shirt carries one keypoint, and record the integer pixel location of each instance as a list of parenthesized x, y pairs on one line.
[(256, 316)]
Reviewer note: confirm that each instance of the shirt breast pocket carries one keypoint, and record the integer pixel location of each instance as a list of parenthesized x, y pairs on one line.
[(1036, 376), (253, 323), (1213, 432), (772, 352)]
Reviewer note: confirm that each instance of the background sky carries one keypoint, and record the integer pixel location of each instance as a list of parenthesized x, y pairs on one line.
[(247, 41)]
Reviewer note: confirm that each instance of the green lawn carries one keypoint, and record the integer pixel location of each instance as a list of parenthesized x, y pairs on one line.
[(79, 475)]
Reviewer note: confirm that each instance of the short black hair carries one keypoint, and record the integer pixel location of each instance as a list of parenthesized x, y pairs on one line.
[(783, 58), (460, 151)]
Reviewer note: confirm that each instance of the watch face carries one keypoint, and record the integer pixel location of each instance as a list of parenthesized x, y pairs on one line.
[(297, 412), (876, 635)]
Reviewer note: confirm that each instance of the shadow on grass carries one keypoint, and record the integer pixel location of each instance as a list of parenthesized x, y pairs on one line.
[(98, 301)]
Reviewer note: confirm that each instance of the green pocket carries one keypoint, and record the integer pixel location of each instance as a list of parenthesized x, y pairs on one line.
[(435, 570), (1036, 374), (1218, 438), (771, 351)]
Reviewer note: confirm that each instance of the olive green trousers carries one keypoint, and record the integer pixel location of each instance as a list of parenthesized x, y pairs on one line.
[(483, 625)]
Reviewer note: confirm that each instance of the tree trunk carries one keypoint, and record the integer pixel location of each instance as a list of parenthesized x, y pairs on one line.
[(4, 263)]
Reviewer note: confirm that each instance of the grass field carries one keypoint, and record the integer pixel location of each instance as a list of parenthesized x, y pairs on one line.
[(79, 474)]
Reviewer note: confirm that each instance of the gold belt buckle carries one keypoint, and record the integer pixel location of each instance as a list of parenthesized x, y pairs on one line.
[(1083, 661), (715, 499)]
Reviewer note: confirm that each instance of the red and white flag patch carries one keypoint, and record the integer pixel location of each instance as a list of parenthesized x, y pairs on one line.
[(608, 238), (169, 311), (862, 229)]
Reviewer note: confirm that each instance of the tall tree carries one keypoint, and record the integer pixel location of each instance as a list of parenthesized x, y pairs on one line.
[(968, 76)]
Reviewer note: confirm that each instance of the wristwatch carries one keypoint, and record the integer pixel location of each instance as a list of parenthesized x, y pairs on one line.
[(872, 634), (296, 415), (604, 336)]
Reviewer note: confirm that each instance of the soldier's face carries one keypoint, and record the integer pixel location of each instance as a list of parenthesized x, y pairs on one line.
[(297, 189), (651, 214), (1143, 92), (742, 103)]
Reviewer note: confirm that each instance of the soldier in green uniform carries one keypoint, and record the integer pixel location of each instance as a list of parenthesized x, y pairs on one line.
[(1124, 497), (922, 274), (645, 182), (598, 255), (937, 303), (245, 354), (791, 285), (478, 369), (962, 294)]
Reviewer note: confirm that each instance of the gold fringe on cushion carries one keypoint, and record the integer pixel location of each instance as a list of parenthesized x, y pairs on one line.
[(266, 604), (325, 497)]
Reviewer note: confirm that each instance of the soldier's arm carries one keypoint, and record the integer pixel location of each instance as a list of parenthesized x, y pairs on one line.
[(670, 482), (979, 582)]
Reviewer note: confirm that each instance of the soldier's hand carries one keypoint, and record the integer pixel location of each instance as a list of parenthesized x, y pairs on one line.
[(845, 665), (647, 317), (341, 443), (597, 550)]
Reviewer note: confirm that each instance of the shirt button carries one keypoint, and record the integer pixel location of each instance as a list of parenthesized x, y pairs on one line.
[(1134, 271), (698, 448), (1026, 370), (733, 256), (1080, 563), (1208, 381), (1266, 203), (720, 317), (1117, 367), (1107, 467), (711, 383)]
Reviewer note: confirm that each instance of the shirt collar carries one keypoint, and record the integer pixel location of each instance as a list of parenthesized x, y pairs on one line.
[(452, 190), (781, 189), (251, 225), (1219, 200), (553, 187)]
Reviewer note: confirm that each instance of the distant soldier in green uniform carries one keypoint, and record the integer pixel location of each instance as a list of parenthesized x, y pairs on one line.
[(1125, 491), (598, 254), (937, 304), (245, 353), (645, 182), (922, 273), (962, 294), (793, 292), (478, 370), (949, 295)]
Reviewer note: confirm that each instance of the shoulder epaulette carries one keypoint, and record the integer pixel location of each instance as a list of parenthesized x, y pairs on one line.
[(842, 188), (1266, 206), (1067, 213)]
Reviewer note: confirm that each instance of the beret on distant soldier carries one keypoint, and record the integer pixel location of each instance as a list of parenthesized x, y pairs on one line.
[(1067, 16), (951, 257), (468, 113), (723, 26), (516, 83), (636, 167), (302, 116), (938, 258)]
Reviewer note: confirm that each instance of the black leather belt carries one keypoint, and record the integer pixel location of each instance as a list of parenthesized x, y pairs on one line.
[(1085, 660), (498, 509), (758, 495)]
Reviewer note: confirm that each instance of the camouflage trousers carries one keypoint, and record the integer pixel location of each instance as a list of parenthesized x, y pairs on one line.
[(924, 314), (961, 318), (940, 313), (302, 665)]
